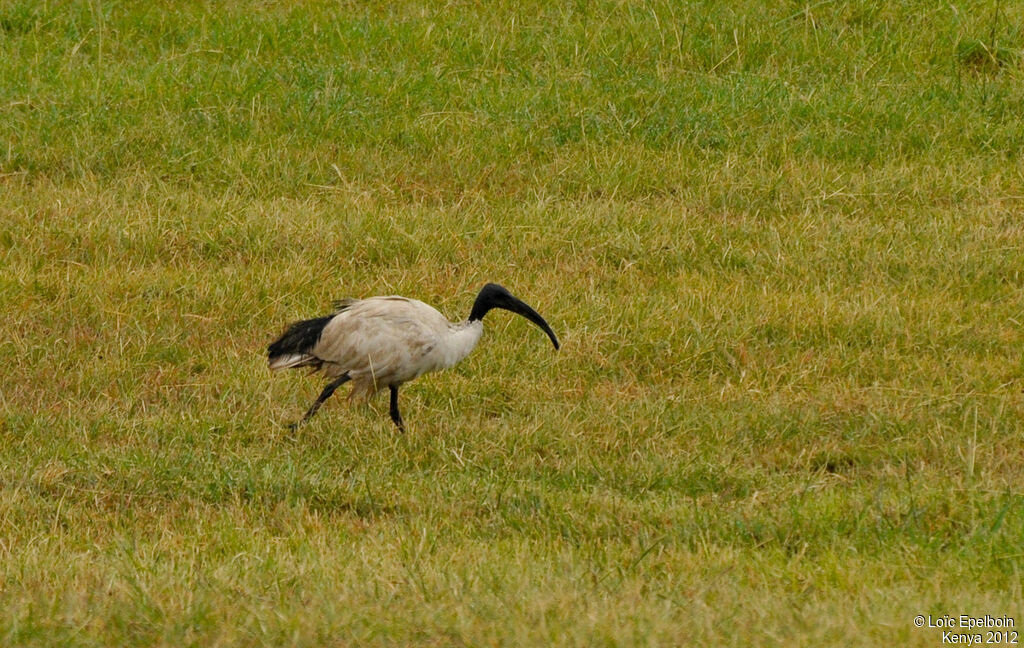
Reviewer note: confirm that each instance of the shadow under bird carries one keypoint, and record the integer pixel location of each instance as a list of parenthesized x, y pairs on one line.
[(387, 341)]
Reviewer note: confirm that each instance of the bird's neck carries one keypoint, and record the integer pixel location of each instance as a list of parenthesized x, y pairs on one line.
[(461, 339), (483, 304)]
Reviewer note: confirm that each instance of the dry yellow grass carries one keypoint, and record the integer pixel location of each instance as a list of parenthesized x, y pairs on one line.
[(781, 245)]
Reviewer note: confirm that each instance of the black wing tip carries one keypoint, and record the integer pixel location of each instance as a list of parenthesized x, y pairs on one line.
[(300, 337)]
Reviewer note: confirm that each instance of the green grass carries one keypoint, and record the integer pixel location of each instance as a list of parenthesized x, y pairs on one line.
[(782, 246)]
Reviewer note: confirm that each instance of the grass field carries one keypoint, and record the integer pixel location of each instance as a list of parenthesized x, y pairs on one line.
[(782, 245)]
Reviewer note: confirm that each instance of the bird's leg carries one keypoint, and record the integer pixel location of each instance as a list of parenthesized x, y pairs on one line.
[(395, 416), (324, 395)]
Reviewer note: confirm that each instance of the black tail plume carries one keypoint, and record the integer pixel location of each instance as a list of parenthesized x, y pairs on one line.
[(299, 338)]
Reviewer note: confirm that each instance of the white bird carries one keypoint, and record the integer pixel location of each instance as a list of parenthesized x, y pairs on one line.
[(387, 341)]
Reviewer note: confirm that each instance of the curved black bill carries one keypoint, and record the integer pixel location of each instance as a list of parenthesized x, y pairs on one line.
[(520, 307), (494, 296)]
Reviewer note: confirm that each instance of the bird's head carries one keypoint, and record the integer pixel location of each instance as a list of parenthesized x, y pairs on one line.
[(495, 296)]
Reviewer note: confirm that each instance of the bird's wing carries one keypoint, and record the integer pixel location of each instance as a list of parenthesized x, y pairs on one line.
[(384, 336)]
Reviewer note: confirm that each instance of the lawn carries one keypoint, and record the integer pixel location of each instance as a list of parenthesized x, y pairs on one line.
[(782, 245)]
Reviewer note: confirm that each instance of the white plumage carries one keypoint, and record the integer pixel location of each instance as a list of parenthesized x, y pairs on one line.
[(388, 341), (385, 341)]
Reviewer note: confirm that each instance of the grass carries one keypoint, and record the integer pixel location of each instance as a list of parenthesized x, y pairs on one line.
[(781, 245)]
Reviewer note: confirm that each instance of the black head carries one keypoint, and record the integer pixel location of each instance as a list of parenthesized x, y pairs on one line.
[(495, 296)]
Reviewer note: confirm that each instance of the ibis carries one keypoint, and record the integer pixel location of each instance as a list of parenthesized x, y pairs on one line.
[(387, 341)]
